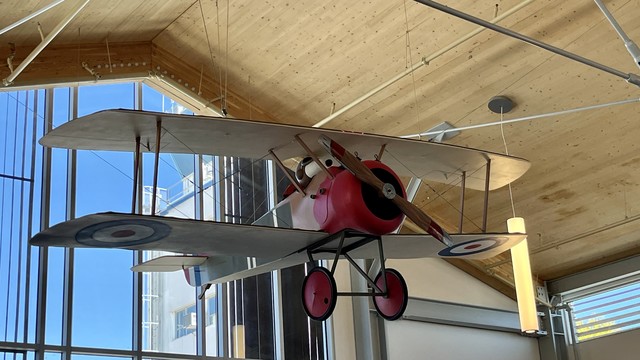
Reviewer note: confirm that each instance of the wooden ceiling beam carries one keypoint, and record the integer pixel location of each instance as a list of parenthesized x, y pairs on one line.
[(206, 82), (58, 64), (77, 63)]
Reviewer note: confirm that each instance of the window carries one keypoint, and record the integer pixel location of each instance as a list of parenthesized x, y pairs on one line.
[(607, 312), (87, 300), (186, 321)]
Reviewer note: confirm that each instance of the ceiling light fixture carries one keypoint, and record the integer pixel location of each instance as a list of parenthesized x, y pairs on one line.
[(519, 253), (523, 279)]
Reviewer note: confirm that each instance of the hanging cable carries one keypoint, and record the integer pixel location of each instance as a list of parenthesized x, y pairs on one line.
[(413, 73), (21, 219), (222, 100), (11, 220), (34, 131), (226, 65), (506, 151), (206, 32)]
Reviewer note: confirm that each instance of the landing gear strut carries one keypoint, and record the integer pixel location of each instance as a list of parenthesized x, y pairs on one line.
[(319, 292)]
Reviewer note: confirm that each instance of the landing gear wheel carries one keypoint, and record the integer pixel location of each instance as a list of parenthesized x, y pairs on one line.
[(319, 294), (392, 306)]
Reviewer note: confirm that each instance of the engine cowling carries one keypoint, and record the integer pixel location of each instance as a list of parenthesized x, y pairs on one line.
[(346, 203)]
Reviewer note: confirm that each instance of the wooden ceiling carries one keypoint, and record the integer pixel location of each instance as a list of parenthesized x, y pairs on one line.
[(297, 62)]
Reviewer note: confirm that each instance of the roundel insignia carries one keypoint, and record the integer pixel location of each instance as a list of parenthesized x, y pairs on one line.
[(123, 233), (473, 247)]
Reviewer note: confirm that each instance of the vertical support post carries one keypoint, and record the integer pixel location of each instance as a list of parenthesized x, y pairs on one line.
[(361, 314), (198, 190), (136, 166), (27, 287), (199, 187), (69, 254), (463, 188), (276, 277), (486, 196), (43, 256), (138, 101), (155, 166), (137, 255)]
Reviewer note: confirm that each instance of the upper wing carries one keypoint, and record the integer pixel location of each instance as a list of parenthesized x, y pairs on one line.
[(117, 130), (208, 238)]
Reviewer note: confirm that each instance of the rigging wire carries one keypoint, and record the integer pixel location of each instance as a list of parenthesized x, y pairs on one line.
[(34, 131), (410, 61), (21, 221), (206, 32), (222, 99), (439, 195), (11, 219), (226, 64)]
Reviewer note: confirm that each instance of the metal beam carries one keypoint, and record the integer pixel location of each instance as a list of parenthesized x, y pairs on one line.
[(14, 74), (31, 16), (615, 272), (446, 313), (424, 61), (629, 77), (632, 48)]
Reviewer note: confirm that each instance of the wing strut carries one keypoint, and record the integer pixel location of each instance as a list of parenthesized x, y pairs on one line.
[(463, 189), (136, 168), (314, 157), (155, 166), (486, 197), (287, 173)]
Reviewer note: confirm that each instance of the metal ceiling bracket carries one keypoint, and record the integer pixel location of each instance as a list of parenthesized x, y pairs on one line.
[(500, 104), (14, 74), (631, 78), (632, 48), (31, 16), (424, 61)]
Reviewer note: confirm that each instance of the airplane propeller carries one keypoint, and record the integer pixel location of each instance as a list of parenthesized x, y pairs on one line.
[(364, 174)]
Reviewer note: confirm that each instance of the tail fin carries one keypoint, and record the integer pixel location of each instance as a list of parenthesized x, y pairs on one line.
[(196, 275), (190, 265)]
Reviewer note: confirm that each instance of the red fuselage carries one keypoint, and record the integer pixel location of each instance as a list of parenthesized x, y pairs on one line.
[(343, 202)]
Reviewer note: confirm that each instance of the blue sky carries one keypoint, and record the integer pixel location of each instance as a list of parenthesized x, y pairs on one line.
[(103, 283)]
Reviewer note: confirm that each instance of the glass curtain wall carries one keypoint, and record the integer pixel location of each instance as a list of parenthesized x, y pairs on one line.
[(85, 303)]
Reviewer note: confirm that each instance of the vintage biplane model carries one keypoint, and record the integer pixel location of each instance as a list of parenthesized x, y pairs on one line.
[(342, 207)]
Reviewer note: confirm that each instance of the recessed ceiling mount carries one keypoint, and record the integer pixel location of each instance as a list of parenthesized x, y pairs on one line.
[(500, 104)]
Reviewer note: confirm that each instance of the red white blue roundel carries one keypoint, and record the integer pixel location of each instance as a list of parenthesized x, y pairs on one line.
[(473, 247), (123, 233)]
